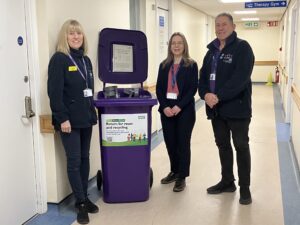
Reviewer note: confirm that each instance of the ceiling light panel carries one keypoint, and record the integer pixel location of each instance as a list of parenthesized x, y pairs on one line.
[(250, 19), (244, 12)]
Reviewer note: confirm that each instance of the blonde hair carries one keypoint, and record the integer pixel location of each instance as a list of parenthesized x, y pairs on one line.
[(62, 42), (185, 55)]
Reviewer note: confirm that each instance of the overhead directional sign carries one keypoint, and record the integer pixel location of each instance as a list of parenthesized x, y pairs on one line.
[(265, 4)]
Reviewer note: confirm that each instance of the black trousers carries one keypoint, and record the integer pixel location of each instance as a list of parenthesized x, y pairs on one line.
[(177, 133), (77, 148), (238, 129)]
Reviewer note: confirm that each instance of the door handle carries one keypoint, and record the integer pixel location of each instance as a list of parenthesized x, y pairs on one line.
[(28, 108)]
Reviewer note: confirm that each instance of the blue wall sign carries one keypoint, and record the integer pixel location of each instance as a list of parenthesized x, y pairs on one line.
[(265, 4), (161, 21), (20, 40)]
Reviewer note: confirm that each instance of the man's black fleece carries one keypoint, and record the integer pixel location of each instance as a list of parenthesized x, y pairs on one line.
[(233, 79)]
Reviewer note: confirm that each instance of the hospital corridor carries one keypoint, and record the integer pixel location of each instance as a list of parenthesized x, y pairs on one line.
[(119, 72)]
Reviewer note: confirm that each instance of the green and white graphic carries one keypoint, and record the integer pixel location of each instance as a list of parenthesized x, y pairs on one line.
[(124, 129)]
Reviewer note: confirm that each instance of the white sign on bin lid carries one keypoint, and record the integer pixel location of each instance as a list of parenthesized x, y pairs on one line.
[(122, 58)]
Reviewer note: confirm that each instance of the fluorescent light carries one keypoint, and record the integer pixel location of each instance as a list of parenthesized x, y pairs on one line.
[(245, 12), (250, 19), (234, 1)]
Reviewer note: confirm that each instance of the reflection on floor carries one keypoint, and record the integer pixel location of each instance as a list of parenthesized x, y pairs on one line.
[(194, 206)]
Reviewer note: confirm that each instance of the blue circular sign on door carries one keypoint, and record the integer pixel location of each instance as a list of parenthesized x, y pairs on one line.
[(20, 40)]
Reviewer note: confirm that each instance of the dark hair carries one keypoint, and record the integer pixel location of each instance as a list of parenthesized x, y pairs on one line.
[(229, 16)]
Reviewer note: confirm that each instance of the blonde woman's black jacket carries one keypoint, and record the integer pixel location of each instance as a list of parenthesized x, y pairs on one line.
[(233, 79), (65, 90), (187, 79)]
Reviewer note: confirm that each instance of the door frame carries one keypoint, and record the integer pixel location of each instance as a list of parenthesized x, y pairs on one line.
[(34, 76), (167, 6)]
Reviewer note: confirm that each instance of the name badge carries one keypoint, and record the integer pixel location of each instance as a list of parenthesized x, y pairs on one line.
[(72, 68), (87, 92), (212, 76), (171, 95)]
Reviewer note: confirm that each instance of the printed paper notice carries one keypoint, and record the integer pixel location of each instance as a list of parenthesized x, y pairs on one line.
[(122, 58), (124, 129)]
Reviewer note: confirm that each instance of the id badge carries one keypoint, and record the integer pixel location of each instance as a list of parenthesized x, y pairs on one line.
[(171, 95), (212, 76), (87, 92)]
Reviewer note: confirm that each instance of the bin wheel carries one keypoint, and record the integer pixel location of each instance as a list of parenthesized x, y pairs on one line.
[(99, 180), (151, 177)]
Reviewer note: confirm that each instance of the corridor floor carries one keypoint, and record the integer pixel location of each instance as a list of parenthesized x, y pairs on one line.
[(194, 206)]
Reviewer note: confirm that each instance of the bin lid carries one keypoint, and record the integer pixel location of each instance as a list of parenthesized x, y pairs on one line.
[(122, 56)]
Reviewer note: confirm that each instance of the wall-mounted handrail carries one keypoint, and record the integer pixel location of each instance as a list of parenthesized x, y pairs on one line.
[(46, 124), (266, 63)]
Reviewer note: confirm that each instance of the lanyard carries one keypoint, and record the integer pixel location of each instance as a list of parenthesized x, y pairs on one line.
[(214, 63), (85, 70), (174, 75)]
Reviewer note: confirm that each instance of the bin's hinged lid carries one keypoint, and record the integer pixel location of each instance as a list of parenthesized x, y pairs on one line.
[(122, 56)]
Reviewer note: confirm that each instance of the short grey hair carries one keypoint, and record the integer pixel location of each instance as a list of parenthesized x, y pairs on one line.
[(229, 16)]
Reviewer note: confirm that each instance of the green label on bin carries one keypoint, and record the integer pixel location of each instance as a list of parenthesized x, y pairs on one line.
[(124, 129)]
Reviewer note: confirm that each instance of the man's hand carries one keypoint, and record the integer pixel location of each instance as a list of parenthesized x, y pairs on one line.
[(211, 99)]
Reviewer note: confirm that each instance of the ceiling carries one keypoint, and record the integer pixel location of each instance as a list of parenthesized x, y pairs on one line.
[(214, 7)]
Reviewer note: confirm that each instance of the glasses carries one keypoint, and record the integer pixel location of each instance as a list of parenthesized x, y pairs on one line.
[(177, 43)]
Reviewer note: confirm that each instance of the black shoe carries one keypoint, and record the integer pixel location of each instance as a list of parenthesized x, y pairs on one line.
[(179, 185), (245, 196), (82, 214), (221, 187), (91, 207), (169, 179)]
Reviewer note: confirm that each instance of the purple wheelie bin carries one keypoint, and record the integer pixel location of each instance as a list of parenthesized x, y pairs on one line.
[(124, 117)]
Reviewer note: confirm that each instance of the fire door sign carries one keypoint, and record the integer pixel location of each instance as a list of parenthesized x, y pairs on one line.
[(251, 24), (124, 129)]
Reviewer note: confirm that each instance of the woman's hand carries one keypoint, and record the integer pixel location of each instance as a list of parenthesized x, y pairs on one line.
[(168, 112), (66, 127), (176, 110)]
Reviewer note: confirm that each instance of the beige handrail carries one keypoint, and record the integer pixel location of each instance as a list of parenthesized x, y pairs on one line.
[(296, 95)]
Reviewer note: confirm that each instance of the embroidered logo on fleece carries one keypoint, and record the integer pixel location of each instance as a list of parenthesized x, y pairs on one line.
[(226, 58)]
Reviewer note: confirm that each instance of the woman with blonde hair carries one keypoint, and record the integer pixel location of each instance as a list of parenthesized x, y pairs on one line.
[(70, 89), (176, 86)]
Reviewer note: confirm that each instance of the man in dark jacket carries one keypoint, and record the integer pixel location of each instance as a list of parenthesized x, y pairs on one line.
[(225, 85)]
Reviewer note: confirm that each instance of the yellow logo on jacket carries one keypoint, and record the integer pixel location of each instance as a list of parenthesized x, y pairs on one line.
[(72, 68)]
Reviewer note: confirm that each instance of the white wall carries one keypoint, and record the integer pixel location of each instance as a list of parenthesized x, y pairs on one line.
[(265, 44), (295, 117), (151, 34), (285, 58), (192, 23), (197, 27), (296, 79), (94, 15), (295, 128)]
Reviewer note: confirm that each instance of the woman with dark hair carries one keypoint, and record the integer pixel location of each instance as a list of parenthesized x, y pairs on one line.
[(176, 86)]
